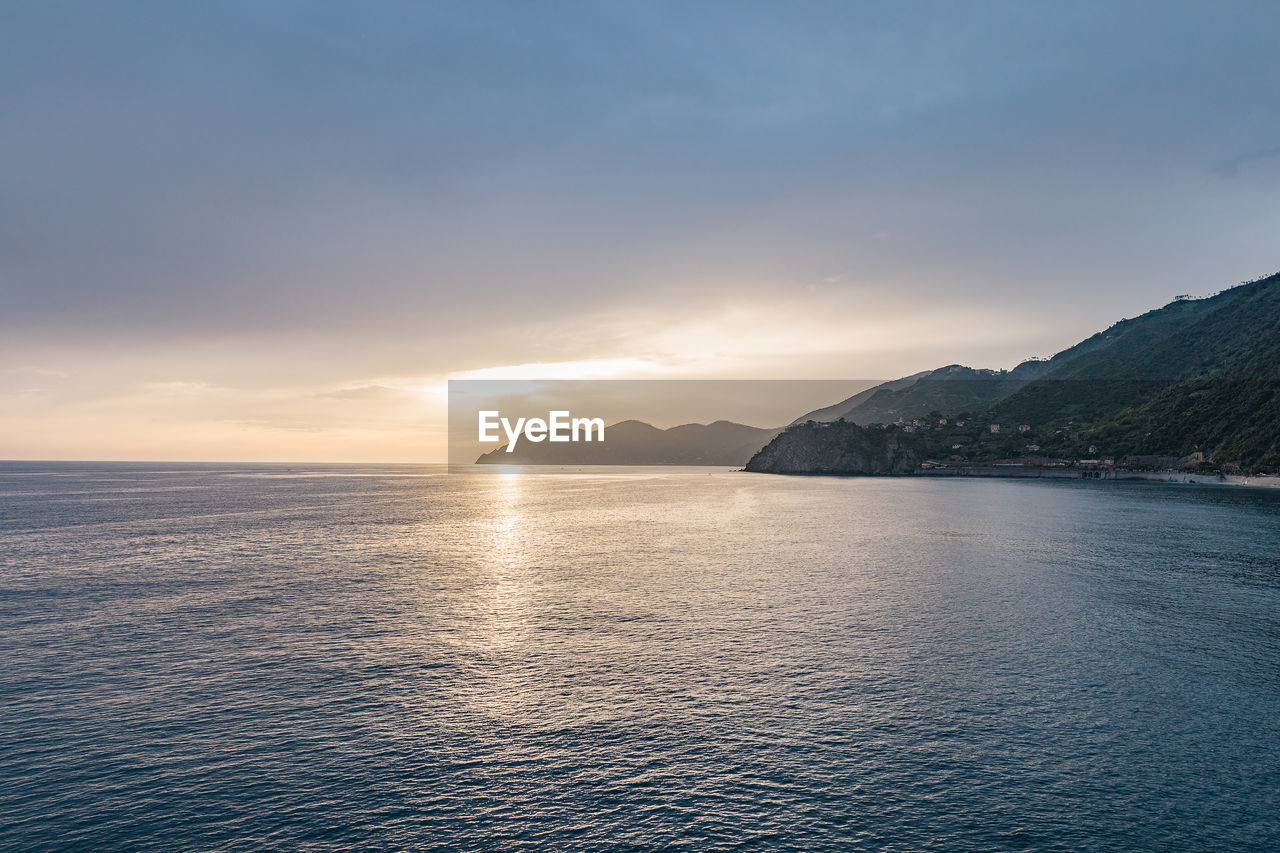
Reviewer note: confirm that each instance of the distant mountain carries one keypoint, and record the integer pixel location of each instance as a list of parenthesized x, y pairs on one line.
[(637, 443), (1197, 382)]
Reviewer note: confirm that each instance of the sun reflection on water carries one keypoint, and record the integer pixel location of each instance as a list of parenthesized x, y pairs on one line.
[(503, 594)]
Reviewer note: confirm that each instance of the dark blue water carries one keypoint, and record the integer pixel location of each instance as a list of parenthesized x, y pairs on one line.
[(199, 657)]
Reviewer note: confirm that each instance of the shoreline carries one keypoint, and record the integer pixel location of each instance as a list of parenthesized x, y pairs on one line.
[(1036, 473), (1180, 477)]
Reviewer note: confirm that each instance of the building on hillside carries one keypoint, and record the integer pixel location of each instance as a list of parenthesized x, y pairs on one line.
[(995, 428)]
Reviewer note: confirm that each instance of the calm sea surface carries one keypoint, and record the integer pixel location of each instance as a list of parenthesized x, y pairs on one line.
[(302, 657)]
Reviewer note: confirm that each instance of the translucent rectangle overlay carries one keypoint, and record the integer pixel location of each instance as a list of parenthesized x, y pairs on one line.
[(719, 422)]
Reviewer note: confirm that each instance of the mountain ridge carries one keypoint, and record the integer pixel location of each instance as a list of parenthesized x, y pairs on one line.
[(1195, 379), (634, 442)]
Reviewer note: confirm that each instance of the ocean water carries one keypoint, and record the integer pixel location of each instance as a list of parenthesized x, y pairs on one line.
[(392, 657)]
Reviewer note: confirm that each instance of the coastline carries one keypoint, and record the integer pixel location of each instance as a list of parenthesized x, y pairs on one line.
[(1011, 472)]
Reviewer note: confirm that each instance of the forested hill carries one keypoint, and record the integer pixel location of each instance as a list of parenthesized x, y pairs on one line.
[(1197, 376), (1196, 382)]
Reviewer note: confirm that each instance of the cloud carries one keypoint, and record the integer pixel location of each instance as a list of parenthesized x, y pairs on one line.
[(364, 392), (43, 372), (285, 208), (1247, 162)]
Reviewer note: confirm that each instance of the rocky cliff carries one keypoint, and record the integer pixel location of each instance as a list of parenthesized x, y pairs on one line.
[(839, 448)]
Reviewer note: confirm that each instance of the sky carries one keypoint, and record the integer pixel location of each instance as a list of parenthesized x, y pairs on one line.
[(274, 230)]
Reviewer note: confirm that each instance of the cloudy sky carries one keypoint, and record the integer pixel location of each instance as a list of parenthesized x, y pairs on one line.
[(272, 230)]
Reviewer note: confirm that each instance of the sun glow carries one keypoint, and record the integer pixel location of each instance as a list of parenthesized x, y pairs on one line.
[(602, 368)]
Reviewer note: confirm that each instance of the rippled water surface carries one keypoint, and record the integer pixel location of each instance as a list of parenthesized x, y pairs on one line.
[(211, 657)]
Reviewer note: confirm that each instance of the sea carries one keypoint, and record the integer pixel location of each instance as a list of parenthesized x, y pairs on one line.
[(328, 657)]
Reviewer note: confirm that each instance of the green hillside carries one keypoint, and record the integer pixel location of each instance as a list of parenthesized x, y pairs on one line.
[(1195, 383), (1194, 376), (948, 389)]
